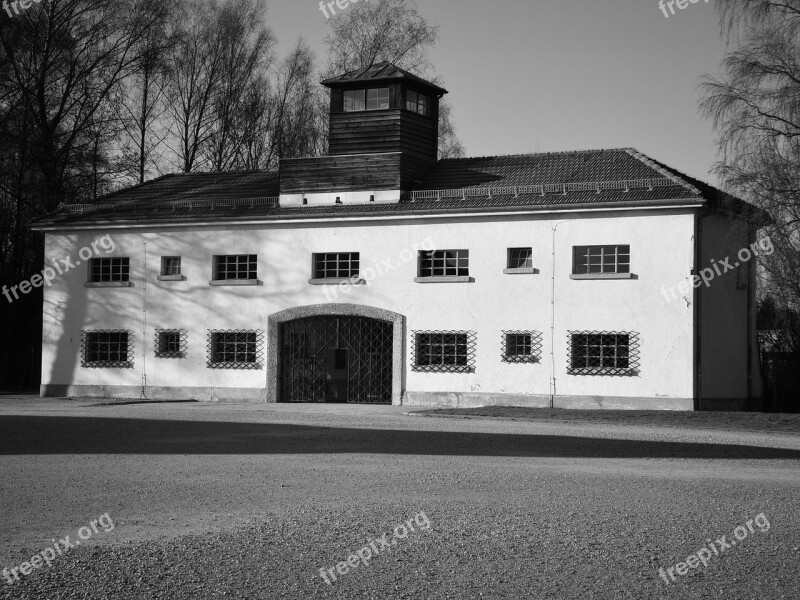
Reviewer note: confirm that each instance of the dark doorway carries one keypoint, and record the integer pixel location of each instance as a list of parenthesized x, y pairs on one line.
[(336, 359)]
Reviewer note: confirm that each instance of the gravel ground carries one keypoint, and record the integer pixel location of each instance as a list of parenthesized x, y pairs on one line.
[(250, 501), (728, 421)]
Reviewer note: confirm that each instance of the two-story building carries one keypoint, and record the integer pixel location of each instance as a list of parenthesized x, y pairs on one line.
[(379, 274)]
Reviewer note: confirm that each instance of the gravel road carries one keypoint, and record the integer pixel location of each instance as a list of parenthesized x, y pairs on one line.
[(251, 501)]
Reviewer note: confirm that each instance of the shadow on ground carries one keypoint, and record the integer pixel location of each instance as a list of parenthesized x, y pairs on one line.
[(21, 435)]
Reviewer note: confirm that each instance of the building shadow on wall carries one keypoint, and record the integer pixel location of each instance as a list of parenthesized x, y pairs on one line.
[(41, 435)]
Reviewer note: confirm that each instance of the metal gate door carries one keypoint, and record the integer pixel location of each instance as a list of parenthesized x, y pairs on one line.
[(305, 346)]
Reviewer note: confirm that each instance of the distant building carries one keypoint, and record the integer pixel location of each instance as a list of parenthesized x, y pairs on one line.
[(378, 274)]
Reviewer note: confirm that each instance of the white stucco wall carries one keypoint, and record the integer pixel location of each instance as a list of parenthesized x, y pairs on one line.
[(661, 247)]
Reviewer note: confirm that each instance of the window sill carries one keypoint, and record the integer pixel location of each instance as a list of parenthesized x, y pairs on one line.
[(338, 281), (234, 282), (108, 284), (521, 271), (445, 279), (171, 278), (603, 276)]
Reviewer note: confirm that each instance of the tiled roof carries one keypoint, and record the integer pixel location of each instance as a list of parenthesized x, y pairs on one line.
[(595, 178), (382, 71)]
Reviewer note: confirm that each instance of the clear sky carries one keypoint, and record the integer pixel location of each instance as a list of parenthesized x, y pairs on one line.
[(550, 75)]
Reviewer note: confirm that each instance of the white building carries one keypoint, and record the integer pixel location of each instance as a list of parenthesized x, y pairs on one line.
[(377, 274)]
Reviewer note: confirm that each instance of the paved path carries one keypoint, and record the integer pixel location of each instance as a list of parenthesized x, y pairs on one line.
[(250, 501)]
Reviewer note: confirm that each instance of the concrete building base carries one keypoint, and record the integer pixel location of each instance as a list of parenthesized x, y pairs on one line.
[(118, 392)]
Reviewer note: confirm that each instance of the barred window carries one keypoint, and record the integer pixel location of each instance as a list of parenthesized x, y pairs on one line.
[(601, 259), (336, 265), (521, 346), (236, 266), (520, 258), (171, 343), (443, 351), (170, 265), (234, 349), (443, 263), (109, 269), (107, 349), (603, 353)]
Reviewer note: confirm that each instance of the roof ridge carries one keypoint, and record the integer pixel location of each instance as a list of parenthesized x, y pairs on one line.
[(673, 174), (528, 154)]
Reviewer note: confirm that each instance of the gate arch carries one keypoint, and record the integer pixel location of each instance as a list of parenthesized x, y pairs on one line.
[(277, 320)]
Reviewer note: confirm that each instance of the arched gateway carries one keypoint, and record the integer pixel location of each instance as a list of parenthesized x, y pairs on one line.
[(335, 353)]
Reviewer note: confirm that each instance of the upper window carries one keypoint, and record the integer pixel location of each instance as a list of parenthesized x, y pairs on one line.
[(444, 351), (603, 353), (336, 265), (444, 263), (359, 100), (417, 103), (236, 267), (107, 349), (109, 269), (588, 260), (170, 265), (520, 258)]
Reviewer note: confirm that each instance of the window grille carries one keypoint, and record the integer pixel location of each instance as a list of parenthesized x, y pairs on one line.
[(443, 351), (603, 353), (107, 349), (235, 349), (171, 343), (522, 346)]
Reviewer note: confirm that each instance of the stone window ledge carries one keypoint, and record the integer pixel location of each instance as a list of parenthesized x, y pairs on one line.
[(234, 282), (172, 278), (338, 281), (445, 279), (521, 271), (603, 276), (108, 284)]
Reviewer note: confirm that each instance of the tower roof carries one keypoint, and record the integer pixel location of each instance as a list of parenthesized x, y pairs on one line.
[(381, 72)]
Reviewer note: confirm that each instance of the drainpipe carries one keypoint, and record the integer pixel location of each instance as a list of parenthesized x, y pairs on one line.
[(750, 293), (553, 319)]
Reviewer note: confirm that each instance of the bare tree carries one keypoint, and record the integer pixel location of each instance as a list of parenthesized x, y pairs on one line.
[(755, 108), (246, 55)]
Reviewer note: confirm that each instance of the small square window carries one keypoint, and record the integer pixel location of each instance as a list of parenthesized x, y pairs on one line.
[(170, 265), (170, 343), (521, 346), (520, 258)]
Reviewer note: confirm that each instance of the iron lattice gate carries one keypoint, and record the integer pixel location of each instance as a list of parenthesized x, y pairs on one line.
[(306, 346)]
